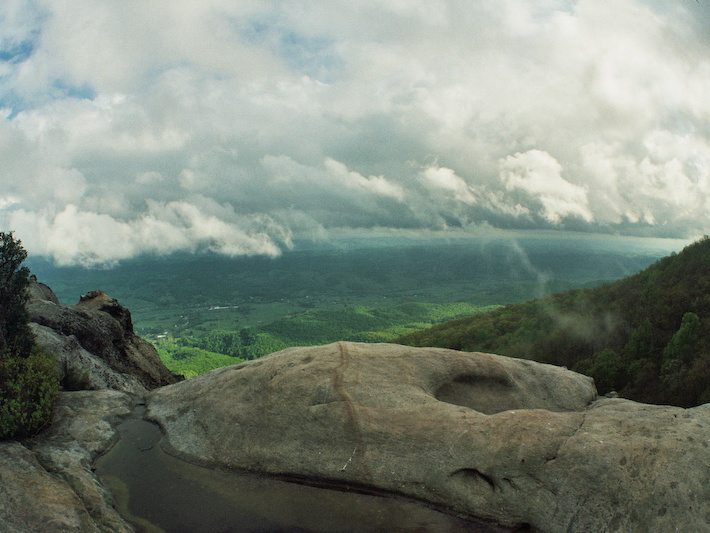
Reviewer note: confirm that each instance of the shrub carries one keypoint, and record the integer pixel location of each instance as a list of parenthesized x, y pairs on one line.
[(28, 390), (682, 344), (607, 369)]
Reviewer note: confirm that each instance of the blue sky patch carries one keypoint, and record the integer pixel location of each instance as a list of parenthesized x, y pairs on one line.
[(17, 53), (61, 90), (312, 56)]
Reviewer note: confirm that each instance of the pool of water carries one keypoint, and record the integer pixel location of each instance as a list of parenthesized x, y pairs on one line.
[(157, 492)]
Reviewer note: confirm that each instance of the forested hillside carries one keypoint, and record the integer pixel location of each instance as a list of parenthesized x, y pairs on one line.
[(645, 336)]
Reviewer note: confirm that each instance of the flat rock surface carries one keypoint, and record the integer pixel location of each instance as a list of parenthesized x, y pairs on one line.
[(513, 441), (33, 499)]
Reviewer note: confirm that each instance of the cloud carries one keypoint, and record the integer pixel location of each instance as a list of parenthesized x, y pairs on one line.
[(376, 185), (539, 176), (348, 116), (445, 179), (94, 239)]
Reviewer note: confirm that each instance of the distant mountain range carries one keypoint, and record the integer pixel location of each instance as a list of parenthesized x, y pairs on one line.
[(645, 336)]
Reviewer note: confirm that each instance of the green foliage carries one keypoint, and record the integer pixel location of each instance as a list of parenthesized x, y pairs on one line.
[(173, 295), (607, 369), (683, 341), (190, 361), (29, 378), (28, 390), (74, 381), (625, 334), (361, 322), (247, 343), (640, 343), (191, 355), (15, 334)]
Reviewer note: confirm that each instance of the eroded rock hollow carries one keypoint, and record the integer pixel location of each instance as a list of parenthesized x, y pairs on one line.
[(513, 441)]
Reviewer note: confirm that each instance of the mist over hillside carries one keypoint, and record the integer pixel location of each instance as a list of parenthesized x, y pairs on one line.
[(644, 336)]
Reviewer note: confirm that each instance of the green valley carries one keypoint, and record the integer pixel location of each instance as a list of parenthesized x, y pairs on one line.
[(205, 311), (192, 355)]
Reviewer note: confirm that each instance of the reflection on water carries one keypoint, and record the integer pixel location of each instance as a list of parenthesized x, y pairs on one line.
[(158, 492)]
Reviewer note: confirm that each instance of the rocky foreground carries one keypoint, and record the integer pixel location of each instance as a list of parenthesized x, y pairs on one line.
[(519, 443), (47, 482), (512, 441)]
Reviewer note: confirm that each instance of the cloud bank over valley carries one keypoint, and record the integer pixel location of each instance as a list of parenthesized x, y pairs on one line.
[(238, 127)]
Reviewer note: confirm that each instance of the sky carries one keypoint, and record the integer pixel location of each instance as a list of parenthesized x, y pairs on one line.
[(147, 127)]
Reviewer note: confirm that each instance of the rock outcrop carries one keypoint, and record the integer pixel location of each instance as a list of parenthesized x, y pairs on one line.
[(516, 442), (522, 444), (47, 482), (80, 369), (95, 343), (40, 291)]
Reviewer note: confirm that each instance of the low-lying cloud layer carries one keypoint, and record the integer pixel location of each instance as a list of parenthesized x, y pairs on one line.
[(150, 127)]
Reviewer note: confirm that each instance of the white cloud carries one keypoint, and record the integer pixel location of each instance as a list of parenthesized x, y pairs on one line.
[(151, 176), (326, 117), (377, 185), (666, 183), (92, 239), (446, 179), (538, 174)]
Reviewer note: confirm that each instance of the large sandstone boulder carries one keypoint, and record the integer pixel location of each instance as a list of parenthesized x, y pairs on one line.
[(513, 441), (95, 342), (47, 482)]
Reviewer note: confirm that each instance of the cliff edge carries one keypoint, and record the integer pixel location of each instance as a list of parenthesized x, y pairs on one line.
[(95, 343)]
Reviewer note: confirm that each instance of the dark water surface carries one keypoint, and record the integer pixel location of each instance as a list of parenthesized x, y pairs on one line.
[(158, 492)]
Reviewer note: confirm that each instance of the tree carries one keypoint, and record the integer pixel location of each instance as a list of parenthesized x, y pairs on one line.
[(15, 334), (29, 378), (640, 344), (608, 371), (683, 341)]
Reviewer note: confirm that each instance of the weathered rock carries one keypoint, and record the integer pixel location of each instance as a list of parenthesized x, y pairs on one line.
[(100, 301), (633, 467), (508, 440), (103, 328), (32, 499), (52, 488), (40, 291), (79, 369), (369, 415), (47, 482)]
